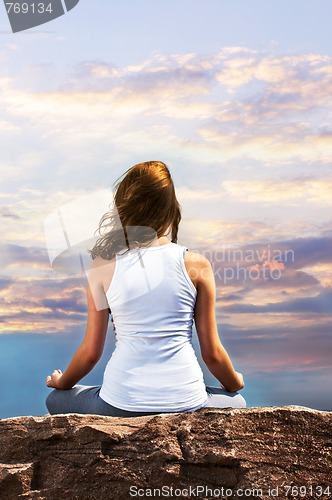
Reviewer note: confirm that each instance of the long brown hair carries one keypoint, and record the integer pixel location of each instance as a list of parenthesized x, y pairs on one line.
[(145, 207)]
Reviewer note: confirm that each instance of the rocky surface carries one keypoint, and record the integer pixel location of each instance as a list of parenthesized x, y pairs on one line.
[(211, 453)]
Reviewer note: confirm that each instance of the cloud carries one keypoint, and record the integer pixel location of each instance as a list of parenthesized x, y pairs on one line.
[(292, 347), (269, 283), (292, 191), (186, 194), (319, 304), (294, 253), (8, 127), (8, 214), (39, 305), (276, 120), (24, 214), (310, 251), (236, 105), (33, 297), (5, 283), (16, 256)]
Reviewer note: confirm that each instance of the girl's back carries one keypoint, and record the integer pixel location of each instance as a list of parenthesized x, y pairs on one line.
[(154, 366)]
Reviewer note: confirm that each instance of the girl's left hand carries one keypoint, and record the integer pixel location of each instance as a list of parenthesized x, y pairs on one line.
[(53, 380)]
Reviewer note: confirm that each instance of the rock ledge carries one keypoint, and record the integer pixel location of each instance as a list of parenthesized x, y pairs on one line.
[(209, 453)]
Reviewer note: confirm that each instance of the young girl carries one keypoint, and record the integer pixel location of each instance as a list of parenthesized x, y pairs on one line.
[(155, 290)]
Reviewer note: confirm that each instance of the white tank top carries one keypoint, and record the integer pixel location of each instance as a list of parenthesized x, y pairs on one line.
[(153, 366)]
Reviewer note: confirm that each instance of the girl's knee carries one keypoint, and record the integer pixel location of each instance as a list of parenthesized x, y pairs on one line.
[(219, 398), (240, 401)]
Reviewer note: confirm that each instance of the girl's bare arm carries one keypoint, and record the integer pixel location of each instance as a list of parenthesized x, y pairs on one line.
[(89, 352), (213, 352)]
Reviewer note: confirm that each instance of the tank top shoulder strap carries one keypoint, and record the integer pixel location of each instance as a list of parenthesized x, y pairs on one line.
[(182, 253)]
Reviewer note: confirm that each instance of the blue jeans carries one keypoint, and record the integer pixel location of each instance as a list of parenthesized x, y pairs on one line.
[(85, 399)]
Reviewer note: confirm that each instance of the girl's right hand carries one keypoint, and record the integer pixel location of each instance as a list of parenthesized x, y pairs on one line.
[(240, 383)]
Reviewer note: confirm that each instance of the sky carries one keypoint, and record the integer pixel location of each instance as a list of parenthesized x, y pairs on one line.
[(236, 98)]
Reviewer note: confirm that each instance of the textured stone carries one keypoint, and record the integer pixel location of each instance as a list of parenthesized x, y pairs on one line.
[(87, 457)]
